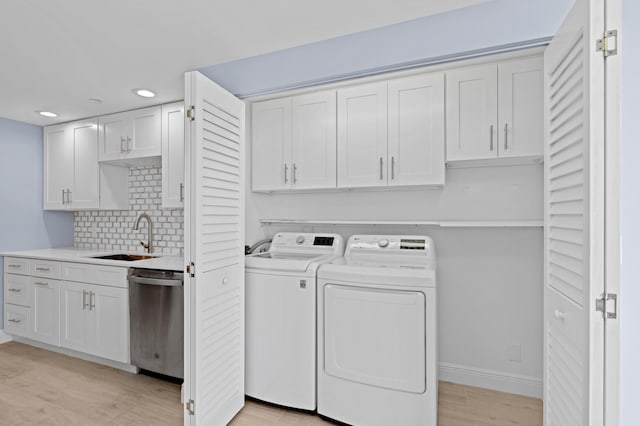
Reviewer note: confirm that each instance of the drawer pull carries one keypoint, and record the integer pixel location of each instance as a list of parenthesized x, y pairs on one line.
[(15, 290), (92, 304), (41, 283), (42, 269), (15, 321), (13, 265)]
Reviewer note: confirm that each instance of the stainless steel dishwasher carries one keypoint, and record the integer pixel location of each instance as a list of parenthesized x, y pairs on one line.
[(156, 305)]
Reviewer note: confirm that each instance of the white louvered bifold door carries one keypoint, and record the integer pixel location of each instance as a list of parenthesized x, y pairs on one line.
[(574, 222), (214, 229)]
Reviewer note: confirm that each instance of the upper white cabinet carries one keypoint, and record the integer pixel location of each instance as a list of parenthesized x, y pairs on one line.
[(520, 107), (392, 133), (73, 178), (294, 142), (173, 155), (71, 172), (495, 111), (416, 131), (130, 134), (362, 135)]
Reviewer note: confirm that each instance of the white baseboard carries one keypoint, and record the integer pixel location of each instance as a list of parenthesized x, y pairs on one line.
[(4, 338), (489, 379)]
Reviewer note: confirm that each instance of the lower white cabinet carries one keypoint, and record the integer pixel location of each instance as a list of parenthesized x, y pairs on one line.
[(94, 320), (45, 305), (78, 306)]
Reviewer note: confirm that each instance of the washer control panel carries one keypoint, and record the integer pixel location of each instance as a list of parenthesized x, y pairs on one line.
[(308, 242), (415, 244)]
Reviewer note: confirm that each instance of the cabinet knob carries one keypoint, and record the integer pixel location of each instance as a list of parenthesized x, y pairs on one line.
[(559, 314), (225, 281)]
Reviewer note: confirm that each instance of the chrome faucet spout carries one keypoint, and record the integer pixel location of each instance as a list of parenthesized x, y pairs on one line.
[(149, 245)]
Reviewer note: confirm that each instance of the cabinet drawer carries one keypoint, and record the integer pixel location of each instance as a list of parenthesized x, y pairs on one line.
[(16, 289), (43, 268), (15, 265), (16, 320), (114, 276)]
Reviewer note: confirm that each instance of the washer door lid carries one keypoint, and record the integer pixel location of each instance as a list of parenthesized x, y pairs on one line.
[(375, 337)]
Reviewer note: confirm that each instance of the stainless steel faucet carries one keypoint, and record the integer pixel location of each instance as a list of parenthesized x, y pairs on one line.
[(149, 245)]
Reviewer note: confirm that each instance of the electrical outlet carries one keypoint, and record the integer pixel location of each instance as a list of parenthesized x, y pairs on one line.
[(514, 353)]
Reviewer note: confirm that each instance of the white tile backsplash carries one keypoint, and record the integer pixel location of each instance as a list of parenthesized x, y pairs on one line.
[(113, 229)]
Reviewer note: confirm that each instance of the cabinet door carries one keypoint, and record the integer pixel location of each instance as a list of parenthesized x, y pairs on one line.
[(58, 166), (472, 111), (520, 103), (74, 303), (172, 154), (45, 305), (271, 145), (85, 193), (112, 136), (314, 141), (108, 322), (416, 131), (143, 137), (362, 136)]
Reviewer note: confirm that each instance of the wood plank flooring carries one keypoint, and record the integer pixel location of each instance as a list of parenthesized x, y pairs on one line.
[(38, 387)]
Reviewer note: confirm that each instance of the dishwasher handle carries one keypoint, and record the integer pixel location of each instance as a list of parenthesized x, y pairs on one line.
[(155, 281)]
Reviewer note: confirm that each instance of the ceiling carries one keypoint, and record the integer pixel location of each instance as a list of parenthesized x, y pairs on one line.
[(56, 54)]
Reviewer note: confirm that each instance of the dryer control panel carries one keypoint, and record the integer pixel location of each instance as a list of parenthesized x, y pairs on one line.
[(408, 245)]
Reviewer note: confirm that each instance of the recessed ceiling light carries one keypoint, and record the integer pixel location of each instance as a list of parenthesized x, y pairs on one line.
[(95, 100), (145, 93), (48, 114)]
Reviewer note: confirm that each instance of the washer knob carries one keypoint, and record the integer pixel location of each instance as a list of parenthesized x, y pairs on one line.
[(383, 243), (300, 239)]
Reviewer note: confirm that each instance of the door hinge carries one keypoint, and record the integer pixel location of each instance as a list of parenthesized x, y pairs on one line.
[(608, 305), (191, 113), (608, 44), (190, 406), (191, 269)]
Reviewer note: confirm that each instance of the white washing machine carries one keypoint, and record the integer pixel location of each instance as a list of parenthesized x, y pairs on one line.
[(281, 317), (377, 345)]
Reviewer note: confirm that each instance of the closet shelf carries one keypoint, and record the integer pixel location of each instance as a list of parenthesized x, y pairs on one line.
[(433, 223)]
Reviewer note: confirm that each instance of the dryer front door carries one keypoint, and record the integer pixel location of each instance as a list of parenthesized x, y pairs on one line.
[(375, 337)]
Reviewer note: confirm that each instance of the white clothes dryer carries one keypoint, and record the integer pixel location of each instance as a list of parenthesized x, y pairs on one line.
[(377, 344), (281, 317)]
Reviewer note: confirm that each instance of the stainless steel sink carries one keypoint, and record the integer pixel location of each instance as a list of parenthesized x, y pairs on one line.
[(127, 257)]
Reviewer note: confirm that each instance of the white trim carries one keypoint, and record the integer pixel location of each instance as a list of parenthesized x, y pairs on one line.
[(4, 337), (80, 355), (437, 65), (489, 379)]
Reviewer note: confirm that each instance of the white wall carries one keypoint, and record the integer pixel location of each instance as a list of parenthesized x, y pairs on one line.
[(630, 223)]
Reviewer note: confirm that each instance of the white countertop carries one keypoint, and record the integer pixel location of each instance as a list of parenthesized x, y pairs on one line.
[(72, 254)]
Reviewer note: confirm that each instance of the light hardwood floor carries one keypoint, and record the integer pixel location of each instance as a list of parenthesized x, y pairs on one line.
[(39, 387)]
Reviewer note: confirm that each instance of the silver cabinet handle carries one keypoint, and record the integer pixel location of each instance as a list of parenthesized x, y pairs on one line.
[(286, 170), (393, 164), (41, 269), (63, 194), (91, 302), (122, 141), (128, 144), (380, 168), (491, 138), (13, 265), (181, 192), (69, 200), (17, 321), (506, 135), (41, 284), (14, 290), (294, 173), (84, 299)]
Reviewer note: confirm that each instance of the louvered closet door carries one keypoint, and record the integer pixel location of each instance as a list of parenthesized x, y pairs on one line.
[(574, 243), (214, 222)]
